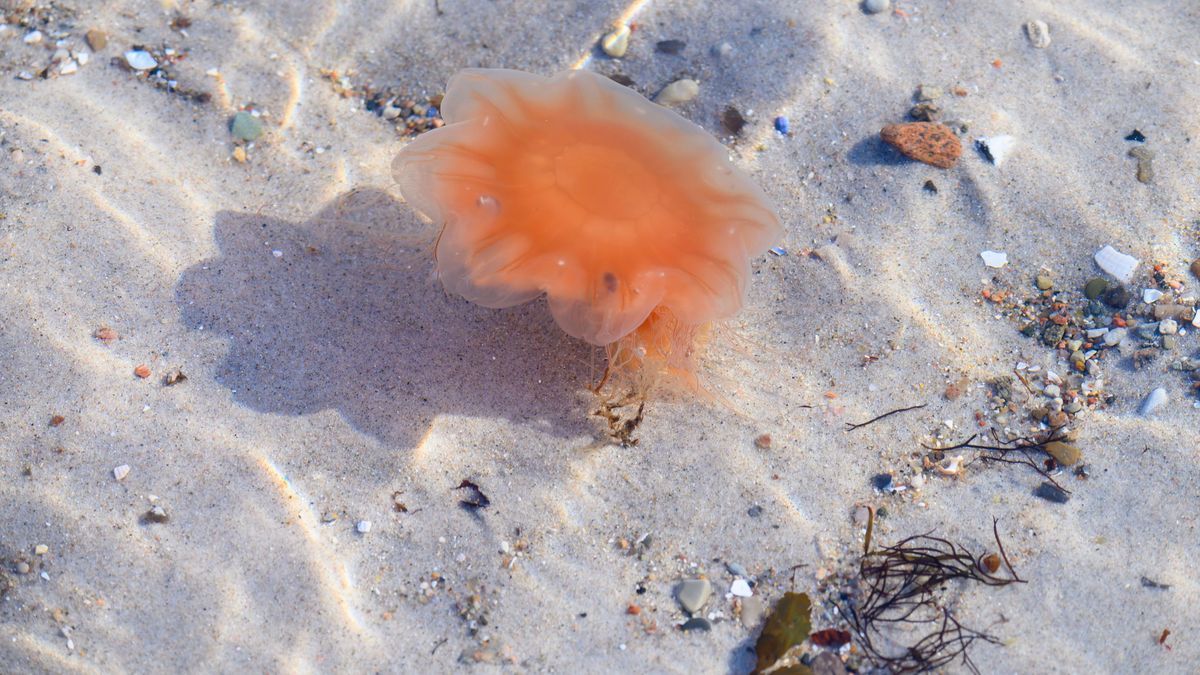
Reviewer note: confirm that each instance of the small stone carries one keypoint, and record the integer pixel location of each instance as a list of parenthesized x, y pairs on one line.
[(1170, 342), (33, 37), (1051, 493), (68, 68), (1073, 407), (239, 155), (1038, 33), (1168, 326), (927, 92), (1145, 163), (363, 526), (1063, 453), (1150, 295), (1136, 136), (23, 567), (138, 59), (96, 39), (1117, 297), (782, 125), (997, 148), (41, 549), (697, 623), (616, 43), (1195, 268), (876, 6), (736, 569), (1044, 282), (679, 91), (1167, 310), (1116, 263), (1113, 337), (142, 371), (672, 47), (245, 126), (692, 594), (882, 482), (752, 611), (1053, 334), (1052, 390), (156, 514), (741, 588), (925, 111), (763, 442), (1057, 419), (121, 472), (722, 50), (1152, 401), (994, 258), (1095, 288), (754, 511), (933, 144)]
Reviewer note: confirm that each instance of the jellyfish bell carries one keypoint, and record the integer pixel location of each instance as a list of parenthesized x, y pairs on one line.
[(631, 220)]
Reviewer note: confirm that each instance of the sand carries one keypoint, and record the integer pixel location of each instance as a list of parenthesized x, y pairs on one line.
[(331, 381)]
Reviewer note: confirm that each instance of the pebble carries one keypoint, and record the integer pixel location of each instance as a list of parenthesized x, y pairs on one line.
[(925, 111), (1150, 295), (245, 126), (1044, 282), (736, 569), (33, 37), (927, 92), (741, 588), (1145, 163), (1195, 268), (782, 125), (996, 148), (156, 514), (994, 258), (876, 6), (1153, 400), (1118, 264), (752, 611), (722, 50), (1073, 407), (1095, 288), (679, 91), (363, 526), (96, 39), (928, 142), (1168, 326), (140, 60), (697, 623), (693, 593), (1116, 296), (1063, 453), (1051, 493), (23, 567), (1052, 390), (616, 43), (754, 511), (121, 472), (1038, 33), (1114, 337), (41, 549)]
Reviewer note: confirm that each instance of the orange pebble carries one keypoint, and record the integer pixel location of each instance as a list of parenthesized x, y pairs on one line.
[(142, 371)]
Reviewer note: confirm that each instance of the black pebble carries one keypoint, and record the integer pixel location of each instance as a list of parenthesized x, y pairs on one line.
[(670, 46), (1116, 297), (930, 187), (754, 511), (1136, 136), (696, 623), (1051, 493), (882, 482)]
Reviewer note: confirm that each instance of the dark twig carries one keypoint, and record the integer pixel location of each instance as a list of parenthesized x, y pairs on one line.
[(851, 427), (1020, 445)]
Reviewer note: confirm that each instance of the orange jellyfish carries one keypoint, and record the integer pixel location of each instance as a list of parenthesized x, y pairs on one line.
[(631, 220)]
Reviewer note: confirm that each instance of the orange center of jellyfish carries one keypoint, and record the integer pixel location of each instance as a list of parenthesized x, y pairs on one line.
[(606, 181)]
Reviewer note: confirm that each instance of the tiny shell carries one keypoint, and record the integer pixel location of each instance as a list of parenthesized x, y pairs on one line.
[(679, 91), (996, 148), (1116, 263), (994, 258), (140, 60), (1152, 401), (1038, 33)]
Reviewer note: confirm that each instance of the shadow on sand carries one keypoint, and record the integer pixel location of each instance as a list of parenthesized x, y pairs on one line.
[(344, 312)]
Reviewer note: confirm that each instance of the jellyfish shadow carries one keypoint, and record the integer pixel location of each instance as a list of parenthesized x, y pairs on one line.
[(344, 312)]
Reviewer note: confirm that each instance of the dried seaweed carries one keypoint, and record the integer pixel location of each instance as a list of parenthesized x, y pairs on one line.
[(900, 587), (851, 426), (1023, 446)]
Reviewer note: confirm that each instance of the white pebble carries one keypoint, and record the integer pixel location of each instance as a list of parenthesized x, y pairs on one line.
[(121, 472), (1168, 326), (1153, 400), (616, 43), (140, 60), (1116, 263), (741, 589), (1150, 295), (679, 91), (876, 6), (363, 526), (33, 37), (277, 253), (68, 68), (1038, 33), (994, 258)]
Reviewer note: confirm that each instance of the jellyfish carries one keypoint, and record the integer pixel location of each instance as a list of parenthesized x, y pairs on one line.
[(629, 219)]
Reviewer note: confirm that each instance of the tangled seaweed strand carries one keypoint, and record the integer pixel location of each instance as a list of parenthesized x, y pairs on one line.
[(1022, 446), (900, 586)]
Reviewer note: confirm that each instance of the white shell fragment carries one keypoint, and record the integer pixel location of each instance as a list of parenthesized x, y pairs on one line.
[(363, 526), (121, 472), (1118, 264), (1150, 295), (1152, 401), (996, 148), (994, 258), (1038, 33), (616, 43), (679, 91), (140, 60)]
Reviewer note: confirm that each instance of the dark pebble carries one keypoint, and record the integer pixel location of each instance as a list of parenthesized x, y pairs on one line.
[(782, 125), (1095, 288), (1053, 334), (1116, 297), (754, 511), (1136, 136), (1051, 493), (930, 187), (732, 120), (669, 46), (882, 482), (697, 623)]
